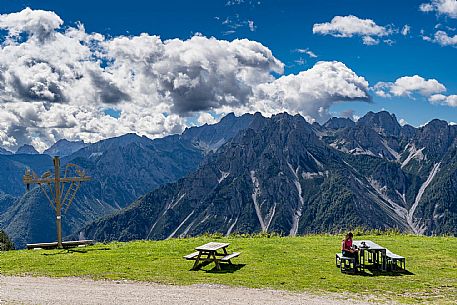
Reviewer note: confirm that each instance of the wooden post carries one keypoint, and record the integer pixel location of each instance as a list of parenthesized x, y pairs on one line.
[(57, 201)]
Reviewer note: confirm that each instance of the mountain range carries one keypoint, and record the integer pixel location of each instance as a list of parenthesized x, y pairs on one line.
[(285, 175), (250, 174), (122, 169)]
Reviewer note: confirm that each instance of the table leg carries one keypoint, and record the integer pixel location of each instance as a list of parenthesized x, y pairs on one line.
[(218, 266), (379, 258), (197, 261), (226, 253), (362, 258), (378, 261)]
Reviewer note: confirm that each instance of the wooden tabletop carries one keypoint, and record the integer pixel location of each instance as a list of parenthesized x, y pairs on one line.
[(371, 245), (212, 246)]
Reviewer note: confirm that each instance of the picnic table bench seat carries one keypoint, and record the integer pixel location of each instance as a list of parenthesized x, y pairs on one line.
[(393, 255), (395, 260), (345, 263), (65, 244), (227, 258), (191, 256)]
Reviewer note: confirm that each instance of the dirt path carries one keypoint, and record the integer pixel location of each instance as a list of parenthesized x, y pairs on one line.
[(41, 290)]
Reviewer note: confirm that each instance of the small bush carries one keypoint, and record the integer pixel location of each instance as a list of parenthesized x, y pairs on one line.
[(5, 242)]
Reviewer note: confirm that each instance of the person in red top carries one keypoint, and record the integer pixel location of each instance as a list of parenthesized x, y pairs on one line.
[(348, 250)]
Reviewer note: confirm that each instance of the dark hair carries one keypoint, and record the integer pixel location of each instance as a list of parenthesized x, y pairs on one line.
[(349, 235)]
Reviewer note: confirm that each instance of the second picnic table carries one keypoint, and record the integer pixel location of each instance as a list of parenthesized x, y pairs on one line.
[(209, 253)]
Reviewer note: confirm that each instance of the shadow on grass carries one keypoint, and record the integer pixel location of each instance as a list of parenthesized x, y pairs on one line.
[(373, 271), (225, 268), (74, 250)]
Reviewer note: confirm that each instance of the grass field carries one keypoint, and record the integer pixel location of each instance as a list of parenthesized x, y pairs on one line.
[(295, 264)]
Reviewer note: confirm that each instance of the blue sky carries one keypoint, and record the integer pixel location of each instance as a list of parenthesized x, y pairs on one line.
[(287, 26)]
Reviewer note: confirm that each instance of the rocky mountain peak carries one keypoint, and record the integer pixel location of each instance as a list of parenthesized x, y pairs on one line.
[(408, 131), (211, 137), (5, 152), (27, 149), (339, 123), (287, 122), (436, 136), (124, 140), (283, 137), (63, 148), (436, 125), (383, 122)]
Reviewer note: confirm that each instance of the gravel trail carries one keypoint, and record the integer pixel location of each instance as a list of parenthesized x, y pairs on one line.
[(42, 290)]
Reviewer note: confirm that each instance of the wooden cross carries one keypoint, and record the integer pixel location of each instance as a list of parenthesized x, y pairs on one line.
[(56, 189)]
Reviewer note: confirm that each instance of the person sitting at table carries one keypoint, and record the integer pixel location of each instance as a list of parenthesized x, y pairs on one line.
[(348, 250)]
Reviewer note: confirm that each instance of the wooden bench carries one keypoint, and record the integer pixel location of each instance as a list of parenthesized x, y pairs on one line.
[(227, 258), (345, 263), (65, 244), (191, 256), (394, 260)]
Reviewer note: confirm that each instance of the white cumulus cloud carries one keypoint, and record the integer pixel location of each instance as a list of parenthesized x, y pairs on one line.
[(442, 38), (349, 26), (311, 92), (37, 23), (443, 7), (409, 85), (63, 83), (450, 100)]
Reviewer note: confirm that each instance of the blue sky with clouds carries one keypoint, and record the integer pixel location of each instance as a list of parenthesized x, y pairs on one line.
[(385, 42)]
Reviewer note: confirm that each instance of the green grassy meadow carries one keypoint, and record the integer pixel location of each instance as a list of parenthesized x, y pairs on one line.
[(289, 263)]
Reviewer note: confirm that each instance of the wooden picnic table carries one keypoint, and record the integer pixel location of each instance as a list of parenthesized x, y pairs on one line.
[(209, 253), (377, 252)]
